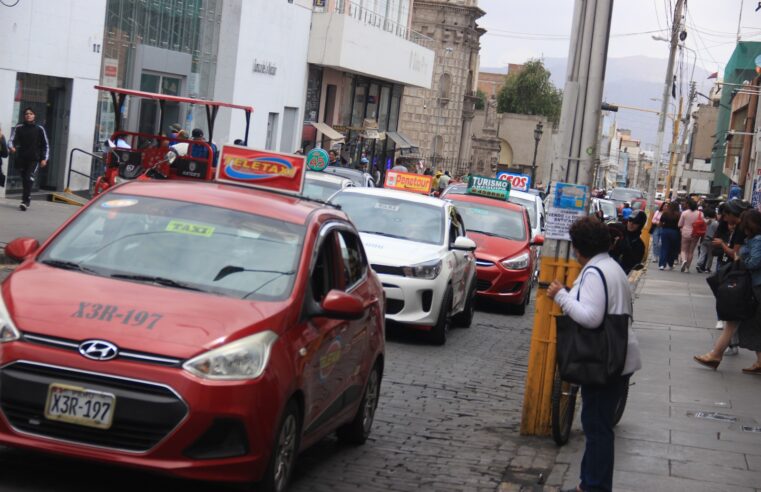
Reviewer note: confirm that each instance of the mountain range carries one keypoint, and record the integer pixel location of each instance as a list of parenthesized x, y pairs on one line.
[(631, 81)]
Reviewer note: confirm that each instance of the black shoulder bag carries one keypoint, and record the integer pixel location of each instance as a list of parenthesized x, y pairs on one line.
[(592, 356), (733, 287)]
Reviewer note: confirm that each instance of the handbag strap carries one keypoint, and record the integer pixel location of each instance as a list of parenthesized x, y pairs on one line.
[(604, 285)]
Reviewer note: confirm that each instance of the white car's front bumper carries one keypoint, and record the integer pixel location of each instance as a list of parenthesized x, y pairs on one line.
[(414, 301)]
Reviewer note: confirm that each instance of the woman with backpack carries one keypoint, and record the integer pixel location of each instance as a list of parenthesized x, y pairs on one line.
[(692, 227), (748, 331)]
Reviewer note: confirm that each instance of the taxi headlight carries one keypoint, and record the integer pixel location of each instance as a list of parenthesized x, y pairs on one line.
[(239, 360), (8, 331), (427, 270), (519, 262)]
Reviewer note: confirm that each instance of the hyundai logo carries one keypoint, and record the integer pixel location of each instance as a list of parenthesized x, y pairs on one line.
[(98, 350)]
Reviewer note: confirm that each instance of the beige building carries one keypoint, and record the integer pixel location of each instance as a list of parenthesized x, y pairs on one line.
[(436, 119)]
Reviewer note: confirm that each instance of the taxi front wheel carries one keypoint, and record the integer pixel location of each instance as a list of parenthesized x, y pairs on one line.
[(284, 451), (438, 332)]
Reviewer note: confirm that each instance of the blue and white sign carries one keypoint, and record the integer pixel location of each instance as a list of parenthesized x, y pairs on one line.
[(570, 196), (520, 182)]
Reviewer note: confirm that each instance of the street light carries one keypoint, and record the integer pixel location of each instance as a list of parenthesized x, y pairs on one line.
[(537, 138)]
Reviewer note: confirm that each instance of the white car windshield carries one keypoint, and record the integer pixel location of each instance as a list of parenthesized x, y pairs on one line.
[(529, 204), (608, 209), (492, 221), (183, 245), (392, 217), (625, 195)]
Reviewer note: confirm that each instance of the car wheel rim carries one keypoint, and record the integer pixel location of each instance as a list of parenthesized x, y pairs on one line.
[(371, 401), (286, 448)]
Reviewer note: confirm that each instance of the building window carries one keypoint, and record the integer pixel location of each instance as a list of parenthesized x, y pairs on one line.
[(445, 86)]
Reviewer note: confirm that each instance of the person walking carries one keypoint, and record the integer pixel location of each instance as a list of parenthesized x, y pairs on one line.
[(3, 154), (30, 144), (629, 249), (748, 331), (585, 304), (705, 250), (669, 225), (655, 231), (689, 241), (626, 211)]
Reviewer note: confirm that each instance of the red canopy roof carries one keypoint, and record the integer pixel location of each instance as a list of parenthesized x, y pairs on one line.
[(165, 97)]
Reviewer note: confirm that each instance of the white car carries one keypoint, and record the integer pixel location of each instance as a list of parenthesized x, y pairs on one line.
[(322, 186), (417, 246)]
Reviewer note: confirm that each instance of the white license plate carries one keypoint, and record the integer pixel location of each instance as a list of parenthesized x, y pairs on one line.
[(80, 406)]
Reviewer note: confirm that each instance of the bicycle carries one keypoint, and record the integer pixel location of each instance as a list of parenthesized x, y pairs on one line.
[(564, 407)]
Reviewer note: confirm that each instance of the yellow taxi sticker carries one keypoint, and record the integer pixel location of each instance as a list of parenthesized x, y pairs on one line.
[(188, 228)]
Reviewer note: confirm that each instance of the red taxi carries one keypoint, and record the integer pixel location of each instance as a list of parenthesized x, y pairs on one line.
[(504, 257), (206, 330)]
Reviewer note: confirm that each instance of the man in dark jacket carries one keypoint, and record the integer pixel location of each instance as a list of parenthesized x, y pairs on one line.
[(629, 250), (30, 144)]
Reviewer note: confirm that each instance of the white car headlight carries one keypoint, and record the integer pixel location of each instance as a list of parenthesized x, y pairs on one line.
[(427, 270), (239, 360), (519, 262), (8, 331)]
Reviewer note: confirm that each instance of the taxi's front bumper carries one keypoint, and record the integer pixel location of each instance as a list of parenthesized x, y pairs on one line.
[(414, 301), (499, 284), (164, 419)]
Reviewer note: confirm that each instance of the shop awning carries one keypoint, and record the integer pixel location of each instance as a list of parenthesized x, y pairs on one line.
[(329, 132), (402, 141)]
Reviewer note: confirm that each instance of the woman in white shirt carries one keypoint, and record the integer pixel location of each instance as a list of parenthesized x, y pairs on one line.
[(590, 240)]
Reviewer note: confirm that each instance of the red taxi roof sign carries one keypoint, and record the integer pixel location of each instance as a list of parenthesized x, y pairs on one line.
[(416, 183), (489, 187), (261, 168)]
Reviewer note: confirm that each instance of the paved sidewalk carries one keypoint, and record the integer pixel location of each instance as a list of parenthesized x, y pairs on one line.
[(39, 221), (662, 443)]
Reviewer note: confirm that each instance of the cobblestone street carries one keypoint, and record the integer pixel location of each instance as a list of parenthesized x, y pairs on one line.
[(447, 420)]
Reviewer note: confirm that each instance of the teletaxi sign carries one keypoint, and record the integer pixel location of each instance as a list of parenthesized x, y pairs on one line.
[(261, 168), (519, 182), (489, 187), (416, 183)]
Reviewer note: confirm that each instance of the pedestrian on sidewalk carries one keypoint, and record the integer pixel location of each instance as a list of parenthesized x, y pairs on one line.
[(585, 304), (749, 330), (669, 225), (30, 144), (629, 249), (3, 154), (689, 241), (705, 250), (655, 232)]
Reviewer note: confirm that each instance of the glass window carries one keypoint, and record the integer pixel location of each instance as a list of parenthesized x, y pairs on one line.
[(323, 275), (172, 241), (383, 112), (354, 263), (396, 98), (530, 206), (372, 102), (394, 217), (358, 112), (492, 220), (149, 82), (346, 100)]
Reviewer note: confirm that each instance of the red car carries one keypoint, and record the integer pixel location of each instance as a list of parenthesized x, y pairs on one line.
[(205, 330), (505, 257)]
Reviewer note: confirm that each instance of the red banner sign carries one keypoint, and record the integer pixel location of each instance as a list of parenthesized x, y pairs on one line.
[(261, 168), (416, 183)]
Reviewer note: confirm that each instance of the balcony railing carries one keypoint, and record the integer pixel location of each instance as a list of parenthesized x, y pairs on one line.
[(379, 21)]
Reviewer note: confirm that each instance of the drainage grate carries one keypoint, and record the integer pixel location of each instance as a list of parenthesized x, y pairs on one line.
[(721, 417)]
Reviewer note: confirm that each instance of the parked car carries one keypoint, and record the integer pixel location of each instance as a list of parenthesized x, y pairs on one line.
[(357, 177), (505, 253), (418, 247), (322, 186), (625, 195), (201, 329), (606, 207)]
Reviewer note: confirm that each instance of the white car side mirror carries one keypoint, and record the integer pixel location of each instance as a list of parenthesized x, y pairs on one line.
[(464, 243)]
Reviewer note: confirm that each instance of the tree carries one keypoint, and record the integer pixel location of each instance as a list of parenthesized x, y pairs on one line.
[(481, 103), (530, 92)]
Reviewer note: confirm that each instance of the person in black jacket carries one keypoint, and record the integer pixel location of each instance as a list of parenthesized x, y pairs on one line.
[(3, 153), (30, 144), (629, 250)]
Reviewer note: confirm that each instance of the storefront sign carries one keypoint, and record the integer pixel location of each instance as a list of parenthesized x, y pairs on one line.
[(268, 68), (519, 182), (317, 159), (416, 183), (489, 187), (261, 168)]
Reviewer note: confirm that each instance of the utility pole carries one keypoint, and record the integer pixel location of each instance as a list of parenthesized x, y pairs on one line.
[(676, 28), (673, 156), (574, 162), (687, 117)]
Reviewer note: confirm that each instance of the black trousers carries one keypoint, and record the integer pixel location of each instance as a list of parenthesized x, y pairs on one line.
[(27, 171)]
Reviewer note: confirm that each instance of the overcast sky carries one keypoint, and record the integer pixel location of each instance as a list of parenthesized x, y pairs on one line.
[(523, 29)]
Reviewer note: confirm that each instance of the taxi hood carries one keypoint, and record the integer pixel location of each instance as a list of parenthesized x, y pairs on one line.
[(134, 316), (495, 248), (391, 251)]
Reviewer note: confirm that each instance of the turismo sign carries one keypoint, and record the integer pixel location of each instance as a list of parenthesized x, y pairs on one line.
[(416, 183), (489, 187), (261, 168), (519, 182)]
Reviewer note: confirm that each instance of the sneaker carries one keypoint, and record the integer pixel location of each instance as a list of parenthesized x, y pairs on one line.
[(660, 268), (731, 350), (684, 267), (23, 207), (719, 325)]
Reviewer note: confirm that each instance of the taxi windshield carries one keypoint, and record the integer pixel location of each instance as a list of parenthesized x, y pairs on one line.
[(392, 217), (183, 245), (491, 220)]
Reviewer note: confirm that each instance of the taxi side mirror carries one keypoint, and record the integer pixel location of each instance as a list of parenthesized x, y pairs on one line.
[(464, 243), (538, 240), (22, 248), (341, 305)]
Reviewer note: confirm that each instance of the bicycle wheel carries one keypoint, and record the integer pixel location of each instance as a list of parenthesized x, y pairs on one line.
[(621, 405), (563, 408)]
